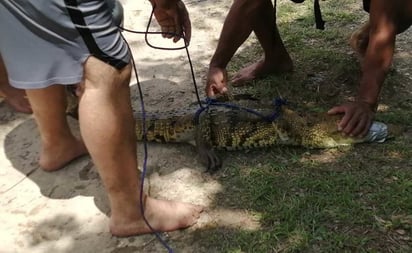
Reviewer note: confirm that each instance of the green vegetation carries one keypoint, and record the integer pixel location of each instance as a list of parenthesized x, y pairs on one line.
[(355, 199)]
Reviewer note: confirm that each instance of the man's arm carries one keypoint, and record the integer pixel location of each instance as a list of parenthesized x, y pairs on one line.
[(358, 115), (237, 27), (379, 55)]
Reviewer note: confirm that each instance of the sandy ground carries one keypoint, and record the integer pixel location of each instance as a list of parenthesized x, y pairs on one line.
[(67, 210)]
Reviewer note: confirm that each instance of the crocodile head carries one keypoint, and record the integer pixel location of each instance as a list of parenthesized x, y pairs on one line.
[(322, 132)]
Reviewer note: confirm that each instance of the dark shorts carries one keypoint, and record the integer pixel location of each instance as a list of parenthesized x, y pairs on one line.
[(46, 42)]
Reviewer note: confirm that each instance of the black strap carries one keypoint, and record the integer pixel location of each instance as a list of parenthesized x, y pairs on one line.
[(366, 5), (320, 23)]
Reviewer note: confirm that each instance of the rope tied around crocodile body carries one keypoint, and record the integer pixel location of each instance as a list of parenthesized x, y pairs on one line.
[(208, 102)]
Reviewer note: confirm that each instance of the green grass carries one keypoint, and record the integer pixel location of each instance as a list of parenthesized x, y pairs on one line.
[(355, 203), (355, 199)]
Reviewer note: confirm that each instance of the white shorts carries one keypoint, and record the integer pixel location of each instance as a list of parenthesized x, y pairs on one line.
[(46, 42)]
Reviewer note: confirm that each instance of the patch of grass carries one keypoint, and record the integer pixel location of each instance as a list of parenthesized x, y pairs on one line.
[(396, 116), (346, 205), (355, 199)]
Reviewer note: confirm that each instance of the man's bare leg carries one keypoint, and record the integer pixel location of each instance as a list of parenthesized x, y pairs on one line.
[(59, 146), (108, 130), (16, 98), (359, 40), (276, 59), (244, 17)]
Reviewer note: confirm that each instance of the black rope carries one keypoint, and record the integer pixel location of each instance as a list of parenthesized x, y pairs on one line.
[(209, 102), (169, 49)]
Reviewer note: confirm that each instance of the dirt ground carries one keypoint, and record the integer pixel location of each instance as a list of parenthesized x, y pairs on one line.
[(67, 211)]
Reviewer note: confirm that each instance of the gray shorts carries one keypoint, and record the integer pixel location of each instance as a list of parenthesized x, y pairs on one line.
[(46, 42)]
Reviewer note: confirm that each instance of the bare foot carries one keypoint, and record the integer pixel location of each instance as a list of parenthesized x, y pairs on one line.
[(16, 98), (359, 40), (162, 215), (260, 69), (54, 158)]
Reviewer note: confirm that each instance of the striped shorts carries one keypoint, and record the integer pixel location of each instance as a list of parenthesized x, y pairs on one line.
[(46, 42)]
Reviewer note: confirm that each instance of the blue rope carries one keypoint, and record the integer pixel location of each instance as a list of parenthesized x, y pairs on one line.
[(145, 148), (145, 152), (277, 103)]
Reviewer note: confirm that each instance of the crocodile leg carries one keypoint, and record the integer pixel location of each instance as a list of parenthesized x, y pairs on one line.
[(204, 143)]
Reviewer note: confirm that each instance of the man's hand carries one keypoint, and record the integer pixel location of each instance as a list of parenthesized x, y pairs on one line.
[(216, 82), (173, 19), (357, 118)]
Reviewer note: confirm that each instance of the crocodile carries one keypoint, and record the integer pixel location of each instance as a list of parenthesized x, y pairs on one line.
[(242, 123), (235, 127)]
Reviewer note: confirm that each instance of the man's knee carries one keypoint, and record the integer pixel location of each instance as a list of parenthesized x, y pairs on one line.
[(98, 74)]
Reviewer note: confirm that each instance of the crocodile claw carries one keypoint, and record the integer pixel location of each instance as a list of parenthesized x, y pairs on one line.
[(206, 153), (208, 157)]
